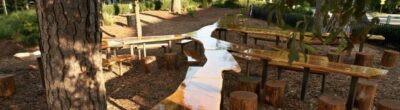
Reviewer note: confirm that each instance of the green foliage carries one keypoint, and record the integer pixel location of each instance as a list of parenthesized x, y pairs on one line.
[(117, 9), (107, 19), (191, 12), (21, 26), (390, 32), (147, 5)]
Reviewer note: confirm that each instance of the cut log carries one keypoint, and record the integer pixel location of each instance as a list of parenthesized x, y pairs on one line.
[(335, 57), (365, 94), (363, 59), (184, 42), (243, 100), (275, 92), (330, 102), (7, 85), (389, 105), (171, 61), (389, 58), (249, 83), (150, 64)]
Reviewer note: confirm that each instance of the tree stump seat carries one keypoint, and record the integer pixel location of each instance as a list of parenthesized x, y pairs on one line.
[(243, 100), (389, 58), (120, 59), (388, 105), (171, 60), (249, 83), (364, 59), (330, 102), (365, 94), (7, 85), (333, 56), (274, 91), (150, 63)]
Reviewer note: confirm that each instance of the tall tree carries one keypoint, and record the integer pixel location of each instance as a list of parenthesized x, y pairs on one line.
[(137, 17), (176, 6), (5, 7), (71, 58)]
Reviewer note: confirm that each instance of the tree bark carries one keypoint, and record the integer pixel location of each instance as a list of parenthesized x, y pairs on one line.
[(243, 100), (71, 58), (176, 6), (318, 16), (5, 7), (138, 22)]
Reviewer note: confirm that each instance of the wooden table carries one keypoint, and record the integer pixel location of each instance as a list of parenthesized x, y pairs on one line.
[(314, 62), (131, 41)]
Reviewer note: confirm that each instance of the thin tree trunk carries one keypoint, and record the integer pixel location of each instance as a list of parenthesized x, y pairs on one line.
[(138, 23), (5, 7), (176, 6), (318, 16), (70, 47)]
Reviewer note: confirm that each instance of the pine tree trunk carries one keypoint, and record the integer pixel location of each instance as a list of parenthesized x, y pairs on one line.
[(318, 17), (71, 58), (176, 6), (5, 7)]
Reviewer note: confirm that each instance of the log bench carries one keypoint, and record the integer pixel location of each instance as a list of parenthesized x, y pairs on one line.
[(389, 58), (243, 100), (7, 85), (365, 94), (387, 104), (274, 91), (330, 102)]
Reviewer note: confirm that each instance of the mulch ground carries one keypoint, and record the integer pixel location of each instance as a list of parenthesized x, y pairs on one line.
[(138, 90)]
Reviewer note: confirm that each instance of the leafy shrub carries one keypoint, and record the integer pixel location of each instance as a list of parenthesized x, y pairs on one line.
[(21, 26), (390, 32), (107, 19), (262, 12), (157, 5), (147, 5), (117, 9)]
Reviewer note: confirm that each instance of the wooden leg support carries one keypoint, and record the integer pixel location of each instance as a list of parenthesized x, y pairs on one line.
[(388, 105), (171, 60), (243, 100), (7, 85), (275, 92), (329, 102), (389, 58), (150, 64), (365, 94)]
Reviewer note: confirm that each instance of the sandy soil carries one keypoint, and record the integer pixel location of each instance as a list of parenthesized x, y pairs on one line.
[(138, 90)]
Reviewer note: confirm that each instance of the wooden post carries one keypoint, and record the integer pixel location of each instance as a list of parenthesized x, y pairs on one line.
[(389, 58), (149, 64), (7, 85), (275, 92), (388, 105), (243, 100), (329, 102), (364, 59), (365, 94), (249, 83), (171, 60)]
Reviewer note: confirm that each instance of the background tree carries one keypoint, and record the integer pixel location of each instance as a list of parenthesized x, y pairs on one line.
[(4, 7), (176, 6), (71, 58)]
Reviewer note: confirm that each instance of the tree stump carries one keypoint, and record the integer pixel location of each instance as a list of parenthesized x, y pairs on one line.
[(275, 92), (249, 83), (7, 85), (388, 105), (150, 64), (335, 57), (365, 94), (243, 100), (130, 20), (171, 60), (363, 59), (329, 102), (389, 58)]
